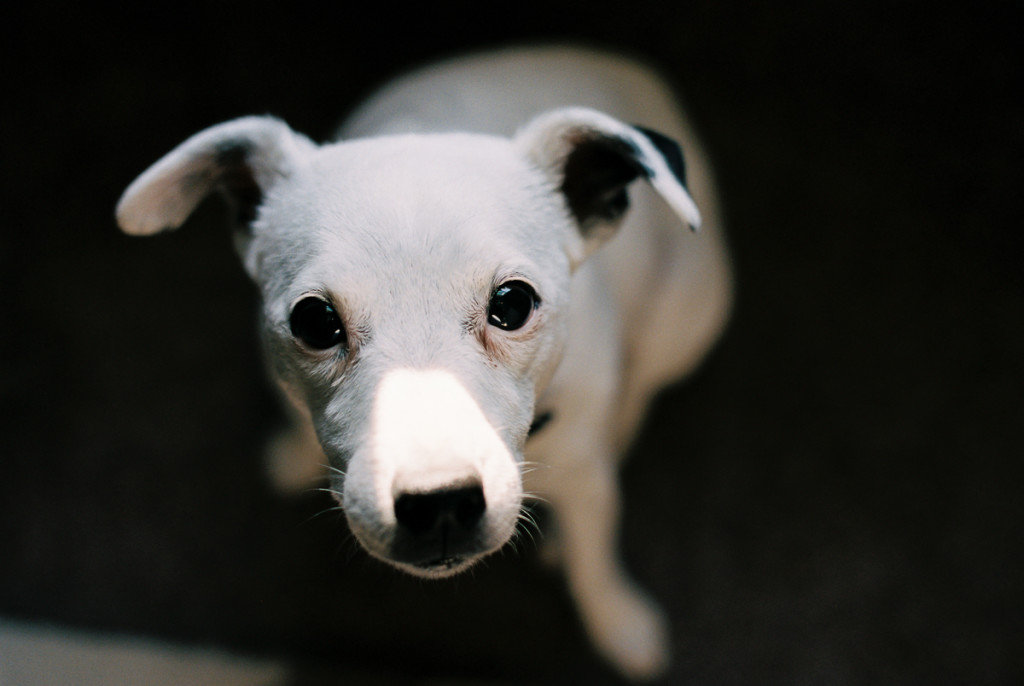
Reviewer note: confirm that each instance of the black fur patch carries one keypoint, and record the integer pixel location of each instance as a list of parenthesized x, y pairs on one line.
[(235, 177), (596, 174), (670, 150), (539, 422)]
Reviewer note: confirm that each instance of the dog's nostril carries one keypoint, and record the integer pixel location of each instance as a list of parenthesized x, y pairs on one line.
[(470, 506), (421, 512)]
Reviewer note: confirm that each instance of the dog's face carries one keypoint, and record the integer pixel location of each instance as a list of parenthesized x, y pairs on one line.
[(413, 292), (414, 299)]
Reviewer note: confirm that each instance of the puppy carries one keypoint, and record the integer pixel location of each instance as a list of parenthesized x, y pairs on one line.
[(468, 300)]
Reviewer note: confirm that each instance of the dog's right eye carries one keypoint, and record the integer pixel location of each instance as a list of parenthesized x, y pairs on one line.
[(316, 323), (511, 305)]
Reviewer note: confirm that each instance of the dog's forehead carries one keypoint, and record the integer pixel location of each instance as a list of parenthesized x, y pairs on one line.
[(427, 175), (452, 207)]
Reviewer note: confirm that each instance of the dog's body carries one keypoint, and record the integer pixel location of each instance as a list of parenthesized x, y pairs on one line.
[(433, 289)]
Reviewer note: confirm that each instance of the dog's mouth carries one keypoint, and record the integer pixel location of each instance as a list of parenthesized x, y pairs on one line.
[(447, 552), (435, 555), (443, 566)]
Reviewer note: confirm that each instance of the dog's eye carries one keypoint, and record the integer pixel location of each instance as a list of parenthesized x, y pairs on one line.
[(316, 323), (511, 305)]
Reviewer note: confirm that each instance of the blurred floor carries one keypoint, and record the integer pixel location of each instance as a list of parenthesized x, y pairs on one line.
[(33, 655)]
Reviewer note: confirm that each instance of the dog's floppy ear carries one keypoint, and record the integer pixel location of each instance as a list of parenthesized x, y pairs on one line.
[(241, 158), (591, 158)]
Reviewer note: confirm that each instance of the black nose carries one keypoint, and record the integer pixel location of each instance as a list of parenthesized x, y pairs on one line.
[(458, 508)]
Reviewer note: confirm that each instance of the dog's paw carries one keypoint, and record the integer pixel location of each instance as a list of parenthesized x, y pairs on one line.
[(632, 633), (294, 461)]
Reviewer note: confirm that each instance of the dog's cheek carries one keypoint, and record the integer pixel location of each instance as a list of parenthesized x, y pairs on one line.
[(365, 500)]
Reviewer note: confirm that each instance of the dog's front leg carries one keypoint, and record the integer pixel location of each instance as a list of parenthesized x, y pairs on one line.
[(295, 461), (623, 623)]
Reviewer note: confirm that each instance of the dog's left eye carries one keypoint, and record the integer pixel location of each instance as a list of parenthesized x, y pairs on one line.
[(316, 323), (511, 305)]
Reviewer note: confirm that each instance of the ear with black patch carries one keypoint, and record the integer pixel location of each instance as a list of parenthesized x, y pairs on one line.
[(241, 158), (591, 158), (670, 150)]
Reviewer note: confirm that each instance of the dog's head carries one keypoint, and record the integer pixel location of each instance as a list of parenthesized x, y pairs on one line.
[(414, 298)]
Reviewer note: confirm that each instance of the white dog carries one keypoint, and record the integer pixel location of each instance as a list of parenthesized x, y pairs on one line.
[(436, 306)]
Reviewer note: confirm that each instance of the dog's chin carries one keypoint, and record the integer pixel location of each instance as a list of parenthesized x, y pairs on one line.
[(440, 568)]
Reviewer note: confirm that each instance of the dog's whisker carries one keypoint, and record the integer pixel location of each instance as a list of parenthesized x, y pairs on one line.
[(526, 526), (322, 489), (529, 527), (326, 511), (526, 467), (331, 468), (535, 498), (335, 495)]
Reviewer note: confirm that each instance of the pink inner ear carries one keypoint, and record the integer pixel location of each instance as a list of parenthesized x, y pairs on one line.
[(240, 157)]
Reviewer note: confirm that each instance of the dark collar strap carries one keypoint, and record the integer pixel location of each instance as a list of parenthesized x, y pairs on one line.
[(539, 422)]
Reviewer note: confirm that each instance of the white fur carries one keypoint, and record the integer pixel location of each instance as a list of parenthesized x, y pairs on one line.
[(445, 186)]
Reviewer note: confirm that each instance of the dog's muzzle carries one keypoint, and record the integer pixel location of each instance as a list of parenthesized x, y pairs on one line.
[(437, 531), (435, 487)]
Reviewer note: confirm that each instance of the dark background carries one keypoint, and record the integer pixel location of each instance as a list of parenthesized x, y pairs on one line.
[(833, 499)]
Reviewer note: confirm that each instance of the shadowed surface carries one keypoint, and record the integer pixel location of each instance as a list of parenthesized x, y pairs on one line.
[(830, 499)]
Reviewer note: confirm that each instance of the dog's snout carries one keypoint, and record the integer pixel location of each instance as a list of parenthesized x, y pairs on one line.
[(460, 507), (435, 487)]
